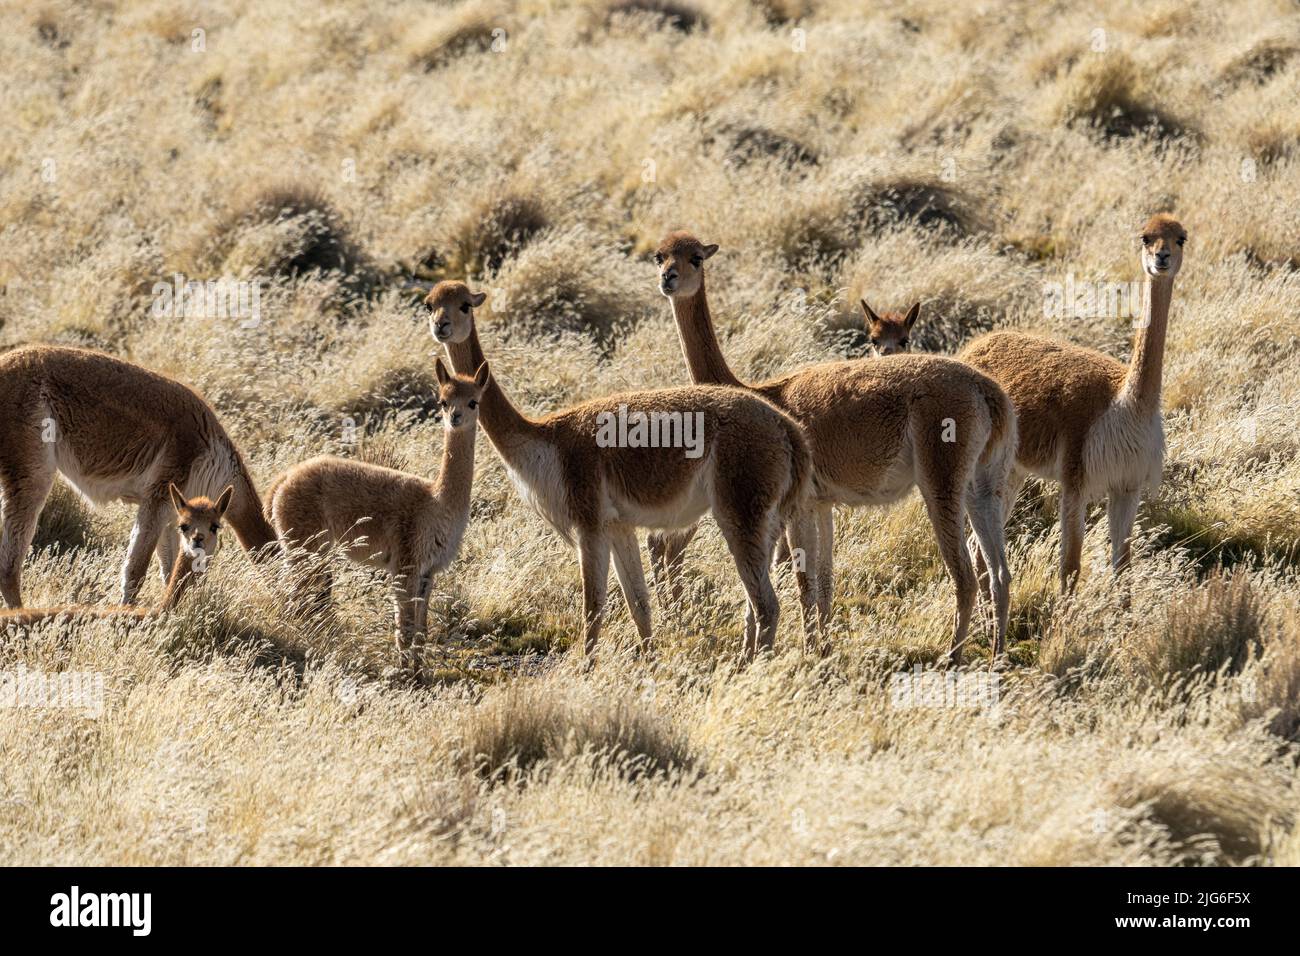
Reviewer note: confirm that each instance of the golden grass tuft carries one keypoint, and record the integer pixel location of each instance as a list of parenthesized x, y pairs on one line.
[(1108, 94), (520, 727)]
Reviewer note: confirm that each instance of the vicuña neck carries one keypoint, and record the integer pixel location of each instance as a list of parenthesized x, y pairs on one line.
[(499, 418), (180, 580), (1142, 385), (704, 357), (452, 487)]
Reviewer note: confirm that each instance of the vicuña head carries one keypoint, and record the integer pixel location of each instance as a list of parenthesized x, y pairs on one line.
[(198, 521), (451, 310), (1162, 246), (889, 332), (680, 258), (459, 395)]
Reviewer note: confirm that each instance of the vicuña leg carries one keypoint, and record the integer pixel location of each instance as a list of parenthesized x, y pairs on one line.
[(168, 548), (825, 559), (21, 498), (1073, 514), (411, 614), (985, 509), (593, 555), (752, 543), (804, 546), (667, 552), (1121, 510), (150, 521), (631, 578)]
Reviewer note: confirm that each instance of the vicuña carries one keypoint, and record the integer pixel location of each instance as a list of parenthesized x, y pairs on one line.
[(116, 432), (1086, 420), (876, 428), (753, 474), (405, 525)]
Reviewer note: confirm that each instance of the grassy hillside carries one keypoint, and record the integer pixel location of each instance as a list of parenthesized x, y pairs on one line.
[(968, 156)]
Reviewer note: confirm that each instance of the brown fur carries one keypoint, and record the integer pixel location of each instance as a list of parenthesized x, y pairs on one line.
[(198, 524), (876, 429), (400, 523), (117, 432), (753, 475), (1087, 420)]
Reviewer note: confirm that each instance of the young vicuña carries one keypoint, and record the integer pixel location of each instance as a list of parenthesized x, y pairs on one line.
[(403, 524), (889, 333), (198, 531)]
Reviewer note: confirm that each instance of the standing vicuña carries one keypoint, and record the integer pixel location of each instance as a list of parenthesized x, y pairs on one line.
[(116, 432), (198, 525), (876, 429), (1086, 420), (402, 524), (744, 460)]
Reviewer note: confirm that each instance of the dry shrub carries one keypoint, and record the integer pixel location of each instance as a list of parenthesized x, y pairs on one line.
[(1107, 94), (404, 390), (568, 281), (1272, 687), (659, 14), (520, 726), (448, 38), (1217, 627), (68, 523), (926, 204), (780, 12), (745, 144), (1216, 813), (492, 229), (1259, 64), (290, 232)]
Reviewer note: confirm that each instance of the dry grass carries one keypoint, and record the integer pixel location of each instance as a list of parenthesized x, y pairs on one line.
[(962, 156)]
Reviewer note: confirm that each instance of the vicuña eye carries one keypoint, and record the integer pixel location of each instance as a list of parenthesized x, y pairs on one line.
[(464, 307), (1146, 240), (659, 260), (214, 529), (473, 404), (185, 529), (696, 260), (1182, 240)]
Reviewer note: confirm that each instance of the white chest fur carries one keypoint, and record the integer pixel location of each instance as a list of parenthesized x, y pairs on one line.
[(537, 472), (1124, 451)]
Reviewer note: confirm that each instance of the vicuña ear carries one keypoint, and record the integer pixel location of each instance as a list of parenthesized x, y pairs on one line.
[(912, 315), (440, 371), (178, 499), (224, 501), (477, 298), (871, 316), (481, 376), (709, 250)]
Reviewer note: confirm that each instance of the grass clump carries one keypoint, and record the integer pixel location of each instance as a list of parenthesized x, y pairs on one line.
[(518, 727)]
